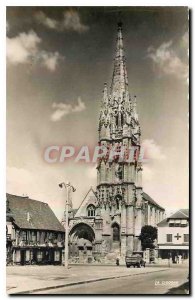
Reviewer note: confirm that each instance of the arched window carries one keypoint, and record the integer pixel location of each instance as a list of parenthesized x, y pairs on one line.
[(91, 211), (116, 232)]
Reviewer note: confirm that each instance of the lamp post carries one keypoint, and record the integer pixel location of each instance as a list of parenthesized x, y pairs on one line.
[(68, 188)]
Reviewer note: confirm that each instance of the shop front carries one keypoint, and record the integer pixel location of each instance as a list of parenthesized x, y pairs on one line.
[(40, 256), (176, 253)]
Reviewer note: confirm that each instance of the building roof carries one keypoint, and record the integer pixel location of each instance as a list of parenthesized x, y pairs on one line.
[(151, 201), (180, 214), (163, 223), (33, 214)]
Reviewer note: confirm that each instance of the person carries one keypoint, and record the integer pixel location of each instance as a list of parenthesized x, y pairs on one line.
[(179, 259), (173, 259), (117, 261)]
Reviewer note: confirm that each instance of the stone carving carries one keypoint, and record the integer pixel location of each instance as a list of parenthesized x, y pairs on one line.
[(105, 246), (119, 172)]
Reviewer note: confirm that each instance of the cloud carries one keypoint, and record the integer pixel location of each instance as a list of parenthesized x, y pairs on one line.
[(24, 48), (46, 21), (63, 109), (71, 21), (152, 150), (50, 60), (185, 39), (166, 61)]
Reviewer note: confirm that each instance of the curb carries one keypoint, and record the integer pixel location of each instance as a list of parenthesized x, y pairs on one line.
[(81, 282)]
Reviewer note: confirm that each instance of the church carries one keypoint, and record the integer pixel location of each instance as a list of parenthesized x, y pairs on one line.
[(110, 217)]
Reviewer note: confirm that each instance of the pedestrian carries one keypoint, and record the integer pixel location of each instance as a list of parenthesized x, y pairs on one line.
[(117, 261), (179, 259), (173, 259)]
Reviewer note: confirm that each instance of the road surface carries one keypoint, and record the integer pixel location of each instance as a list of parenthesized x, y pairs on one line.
[(154, 283)]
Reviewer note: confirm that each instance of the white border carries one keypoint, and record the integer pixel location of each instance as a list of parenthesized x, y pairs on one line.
[(3, 4)]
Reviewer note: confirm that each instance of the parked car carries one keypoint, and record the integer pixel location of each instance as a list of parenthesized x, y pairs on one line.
[(134, 260)]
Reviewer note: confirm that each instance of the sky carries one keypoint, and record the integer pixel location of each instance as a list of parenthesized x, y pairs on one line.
[(58, 59)]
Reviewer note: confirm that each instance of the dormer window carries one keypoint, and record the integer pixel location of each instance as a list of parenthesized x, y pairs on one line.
[(178, 223), (184, 223), (91, 210)]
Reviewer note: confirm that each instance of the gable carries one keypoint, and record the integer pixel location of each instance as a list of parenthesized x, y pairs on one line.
[(180, 214), (90, 198)]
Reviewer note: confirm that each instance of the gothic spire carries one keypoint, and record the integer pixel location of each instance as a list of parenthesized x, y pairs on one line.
[(119, 84), (105, 94)]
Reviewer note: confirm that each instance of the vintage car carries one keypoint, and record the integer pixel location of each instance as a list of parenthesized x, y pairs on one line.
[(135, 260)]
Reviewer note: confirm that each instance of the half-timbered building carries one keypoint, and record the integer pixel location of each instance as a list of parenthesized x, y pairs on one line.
[(34, 234)]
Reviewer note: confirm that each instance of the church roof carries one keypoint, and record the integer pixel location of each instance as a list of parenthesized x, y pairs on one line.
[(151, 201), (33, 214), (91, 197)]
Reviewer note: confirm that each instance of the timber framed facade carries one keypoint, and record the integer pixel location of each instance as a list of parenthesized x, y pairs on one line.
[(34, 234)]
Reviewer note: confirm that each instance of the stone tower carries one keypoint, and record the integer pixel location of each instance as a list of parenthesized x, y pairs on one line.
[(119, 183)]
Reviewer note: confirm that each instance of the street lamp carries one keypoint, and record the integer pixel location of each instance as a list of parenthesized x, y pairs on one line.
[(68, 188)]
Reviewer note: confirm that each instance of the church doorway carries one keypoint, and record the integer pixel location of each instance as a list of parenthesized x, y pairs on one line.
[(81, 241), (115, 236), (115, 232)]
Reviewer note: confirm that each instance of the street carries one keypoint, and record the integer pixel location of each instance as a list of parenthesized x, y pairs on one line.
[(153, 283)]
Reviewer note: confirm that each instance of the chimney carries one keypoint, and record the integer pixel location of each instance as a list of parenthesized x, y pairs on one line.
[(28, 217)]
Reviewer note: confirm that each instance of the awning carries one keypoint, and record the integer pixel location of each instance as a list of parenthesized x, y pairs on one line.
[(183, 222), (174, 247), (177, 221), (171, 221)]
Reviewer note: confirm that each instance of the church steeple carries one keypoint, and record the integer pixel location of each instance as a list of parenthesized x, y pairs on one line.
[(118, 113), (119, 181), (119, 85)]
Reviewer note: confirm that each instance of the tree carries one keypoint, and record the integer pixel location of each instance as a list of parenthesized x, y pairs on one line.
[(148, 236)]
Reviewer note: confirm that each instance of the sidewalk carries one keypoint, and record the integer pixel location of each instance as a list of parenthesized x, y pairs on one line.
[(27, 279)]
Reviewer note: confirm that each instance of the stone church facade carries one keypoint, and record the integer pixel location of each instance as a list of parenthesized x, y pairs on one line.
[(110, 218)]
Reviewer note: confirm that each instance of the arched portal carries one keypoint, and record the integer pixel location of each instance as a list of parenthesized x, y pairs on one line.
[(82, 230), (81, 241), (115, 232)]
